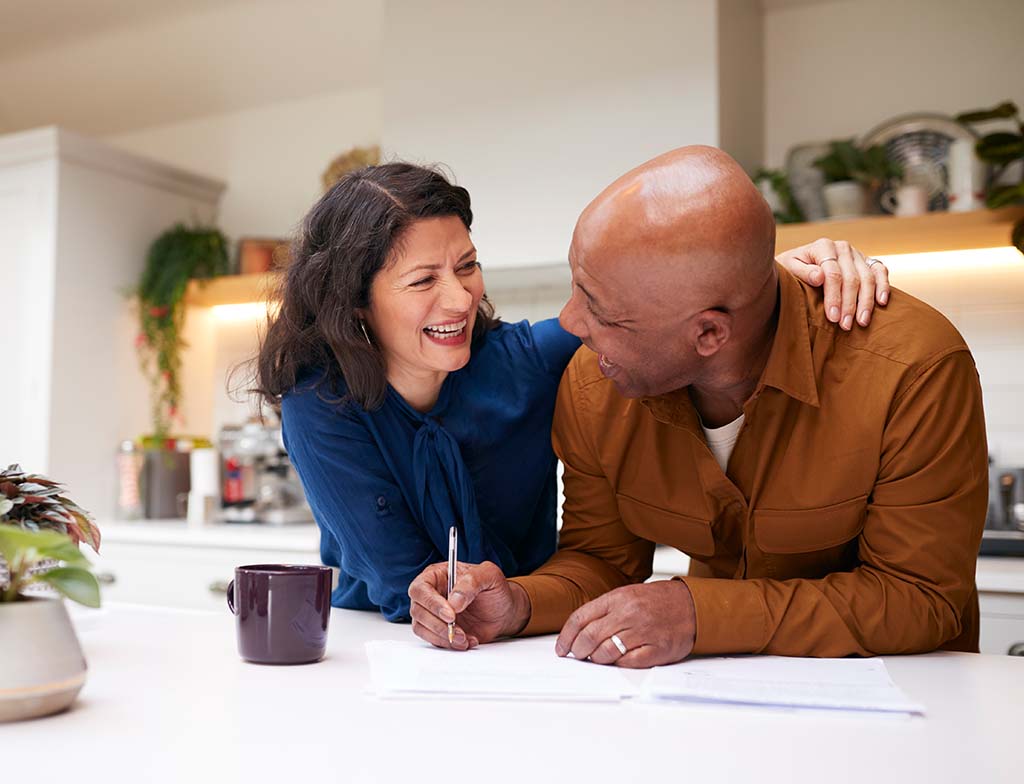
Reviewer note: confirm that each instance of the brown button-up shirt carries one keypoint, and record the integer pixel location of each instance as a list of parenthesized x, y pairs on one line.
[(848, 521)]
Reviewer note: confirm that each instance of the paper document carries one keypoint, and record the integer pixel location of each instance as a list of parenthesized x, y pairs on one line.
[(524, 669), (847, 684)]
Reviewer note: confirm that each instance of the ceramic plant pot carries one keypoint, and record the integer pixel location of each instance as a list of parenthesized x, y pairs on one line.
[(43, 667), (845, 199)]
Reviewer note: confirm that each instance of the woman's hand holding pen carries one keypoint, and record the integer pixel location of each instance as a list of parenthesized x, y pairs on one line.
[(483, 604)]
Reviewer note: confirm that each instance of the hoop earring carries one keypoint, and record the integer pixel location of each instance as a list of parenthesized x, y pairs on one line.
[(362, 326)]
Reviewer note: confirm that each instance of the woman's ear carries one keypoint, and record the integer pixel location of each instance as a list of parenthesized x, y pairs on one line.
[(713, 328)]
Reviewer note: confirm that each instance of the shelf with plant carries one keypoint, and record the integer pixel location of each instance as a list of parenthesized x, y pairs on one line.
[(1001, 149), (176, 257)]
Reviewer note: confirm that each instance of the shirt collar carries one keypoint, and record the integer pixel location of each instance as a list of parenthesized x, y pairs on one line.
[(790, 367)]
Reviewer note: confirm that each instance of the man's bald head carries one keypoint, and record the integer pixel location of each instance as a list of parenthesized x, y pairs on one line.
[(682, 239), (694, 215)]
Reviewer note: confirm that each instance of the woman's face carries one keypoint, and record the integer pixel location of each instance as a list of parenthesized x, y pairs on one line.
[(423, 302)]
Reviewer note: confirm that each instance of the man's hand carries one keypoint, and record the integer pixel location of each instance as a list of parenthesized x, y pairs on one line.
[(853, 284), (655, 622), (483, 604)]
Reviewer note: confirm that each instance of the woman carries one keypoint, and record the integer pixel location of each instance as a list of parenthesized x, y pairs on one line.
[(406, 406)]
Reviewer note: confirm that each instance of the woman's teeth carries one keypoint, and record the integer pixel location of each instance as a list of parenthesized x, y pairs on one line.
[(446, 330)]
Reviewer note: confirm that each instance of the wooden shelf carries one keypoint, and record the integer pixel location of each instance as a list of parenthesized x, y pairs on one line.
[(878, 235), (885, 235), (231, 290)]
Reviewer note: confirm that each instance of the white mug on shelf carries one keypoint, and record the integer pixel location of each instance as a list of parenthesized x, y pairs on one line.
[(966, 177), (908, 200)]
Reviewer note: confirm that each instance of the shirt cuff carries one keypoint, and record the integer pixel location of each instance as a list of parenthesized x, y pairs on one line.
[(732, 616), (550, 603)]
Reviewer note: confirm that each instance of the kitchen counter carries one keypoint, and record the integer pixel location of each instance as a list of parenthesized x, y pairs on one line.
[(301, 536), (168, 700), (994, 574)]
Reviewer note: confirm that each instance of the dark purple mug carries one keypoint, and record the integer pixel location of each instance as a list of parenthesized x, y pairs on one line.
[(282, 612)]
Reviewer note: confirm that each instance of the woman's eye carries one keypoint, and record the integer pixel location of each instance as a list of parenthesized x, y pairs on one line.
[(470, 266)]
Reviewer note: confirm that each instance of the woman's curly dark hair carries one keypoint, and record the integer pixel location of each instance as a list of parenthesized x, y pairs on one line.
[(345, 240)]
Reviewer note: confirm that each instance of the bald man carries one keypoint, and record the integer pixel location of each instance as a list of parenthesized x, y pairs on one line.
[(830, 487)]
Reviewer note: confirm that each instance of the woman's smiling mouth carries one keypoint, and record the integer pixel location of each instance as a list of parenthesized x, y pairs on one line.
[(452, 333)]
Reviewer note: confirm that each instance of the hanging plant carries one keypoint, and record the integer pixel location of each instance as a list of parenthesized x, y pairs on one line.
[(177, 255)]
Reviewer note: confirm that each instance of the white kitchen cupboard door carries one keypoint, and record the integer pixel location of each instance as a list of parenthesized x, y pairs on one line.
[(77, 217), (183, 577)]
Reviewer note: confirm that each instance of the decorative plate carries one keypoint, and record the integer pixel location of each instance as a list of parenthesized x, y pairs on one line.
[(920, 144), (806, 180)]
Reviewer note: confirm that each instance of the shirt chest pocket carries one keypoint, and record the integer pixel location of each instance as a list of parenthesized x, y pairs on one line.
[(809, 543), (692, 535)]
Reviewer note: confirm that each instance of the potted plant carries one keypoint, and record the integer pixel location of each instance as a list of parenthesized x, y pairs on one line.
[(852, 175), (40, 531), (1001, 149), (176, 256), (774, 186)]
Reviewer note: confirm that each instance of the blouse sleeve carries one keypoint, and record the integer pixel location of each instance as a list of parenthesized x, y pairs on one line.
[(553, 346), (356, 501)]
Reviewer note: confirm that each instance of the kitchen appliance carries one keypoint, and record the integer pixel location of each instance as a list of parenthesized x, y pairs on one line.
[(1004, 526), (920, 144), (258, 481)]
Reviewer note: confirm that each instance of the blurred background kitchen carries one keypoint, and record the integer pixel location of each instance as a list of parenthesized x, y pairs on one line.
[(888, 124)]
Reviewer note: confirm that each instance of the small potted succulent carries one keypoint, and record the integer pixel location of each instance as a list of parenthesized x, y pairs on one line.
[(854, 176), (40, 532)]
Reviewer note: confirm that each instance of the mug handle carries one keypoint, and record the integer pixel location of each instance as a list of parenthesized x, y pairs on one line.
[(230, 594), (889, 201)]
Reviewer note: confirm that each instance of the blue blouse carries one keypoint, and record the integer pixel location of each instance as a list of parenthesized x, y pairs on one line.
[(386, 485)]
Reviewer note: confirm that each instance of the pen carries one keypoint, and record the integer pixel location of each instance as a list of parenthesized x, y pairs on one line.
[(453, 549)]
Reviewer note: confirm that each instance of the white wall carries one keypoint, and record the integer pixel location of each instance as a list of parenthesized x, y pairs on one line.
[(272, 157), (741, 81), (837, 69), (537, 106)]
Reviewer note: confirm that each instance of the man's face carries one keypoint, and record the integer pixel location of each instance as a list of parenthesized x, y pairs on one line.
[(626, 314)]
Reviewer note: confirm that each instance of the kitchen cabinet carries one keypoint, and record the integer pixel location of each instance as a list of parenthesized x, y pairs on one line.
[(167, 564), (164, 563), (77, 217)]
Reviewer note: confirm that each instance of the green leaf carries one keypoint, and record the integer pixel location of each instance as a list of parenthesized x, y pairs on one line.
[(1003, 111), (6, 505), (1000, 147), (14, 537), (1004, 195), (79, 585), (67, 551)]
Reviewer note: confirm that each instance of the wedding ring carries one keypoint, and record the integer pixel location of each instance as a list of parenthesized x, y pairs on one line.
[(830, 258), (875, 261), (618, 644)]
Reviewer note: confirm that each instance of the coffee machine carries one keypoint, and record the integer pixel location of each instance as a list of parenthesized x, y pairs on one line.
[(258, 481), (1004, 525)]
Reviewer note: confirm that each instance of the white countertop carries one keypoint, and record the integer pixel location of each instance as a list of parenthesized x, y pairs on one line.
[(168, 700), (297, 537), (994, 574)]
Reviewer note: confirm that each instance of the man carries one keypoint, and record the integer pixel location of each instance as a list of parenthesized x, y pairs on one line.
[(829, 486)]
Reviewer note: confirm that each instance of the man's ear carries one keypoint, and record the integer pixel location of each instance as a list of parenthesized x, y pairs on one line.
[(712, 329)]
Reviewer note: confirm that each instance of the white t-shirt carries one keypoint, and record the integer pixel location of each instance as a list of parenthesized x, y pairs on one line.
[(722, 439)]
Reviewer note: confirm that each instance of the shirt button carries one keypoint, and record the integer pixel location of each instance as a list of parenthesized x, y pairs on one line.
[(381, 502)]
